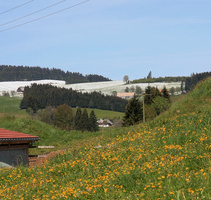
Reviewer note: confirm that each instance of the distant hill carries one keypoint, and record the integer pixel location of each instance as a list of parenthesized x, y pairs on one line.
[(25, 73)]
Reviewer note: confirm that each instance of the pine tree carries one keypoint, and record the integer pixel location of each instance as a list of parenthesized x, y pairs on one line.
[(149, 75), (148, 97), (166, 94), (134, 112), (78, 118), (33, 103), (84, 123), (93, 127)]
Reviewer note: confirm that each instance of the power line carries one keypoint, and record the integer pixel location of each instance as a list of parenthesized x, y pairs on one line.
[(44, 16), (15, 7), (33, 13)]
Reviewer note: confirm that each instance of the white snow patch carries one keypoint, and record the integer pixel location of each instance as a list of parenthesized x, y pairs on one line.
[(9, 86), (106, 87)]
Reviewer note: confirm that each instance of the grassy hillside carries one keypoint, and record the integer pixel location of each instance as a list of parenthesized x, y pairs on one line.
[(168, 158), (11, 106)]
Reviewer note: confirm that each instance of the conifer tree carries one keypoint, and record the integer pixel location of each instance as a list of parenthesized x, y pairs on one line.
[(149, 75), (33, 103), (165, 93), (84, 123), (148, 98), (133, 113), (78, 118), (93, 127)]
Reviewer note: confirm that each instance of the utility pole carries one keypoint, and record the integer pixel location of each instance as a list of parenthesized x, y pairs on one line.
[(143, 111)]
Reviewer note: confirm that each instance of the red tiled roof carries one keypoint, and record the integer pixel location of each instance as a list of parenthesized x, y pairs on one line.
[(7, 135)]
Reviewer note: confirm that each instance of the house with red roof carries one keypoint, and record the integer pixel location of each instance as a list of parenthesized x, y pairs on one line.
[(14, 147)]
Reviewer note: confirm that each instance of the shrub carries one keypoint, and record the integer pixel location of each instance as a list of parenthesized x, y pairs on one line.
[(160, 104), (64, 117)]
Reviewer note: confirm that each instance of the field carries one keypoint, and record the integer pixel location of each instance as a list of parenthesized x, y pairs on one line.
[(167, 158), (11, 105), (106, 87)]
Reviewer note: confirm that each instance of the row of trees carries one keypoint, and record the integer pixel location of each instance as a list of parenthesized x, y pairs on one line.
[(40, 96), (20, 73), (160, 79), (64, 118), (153, 102), (137, 89)]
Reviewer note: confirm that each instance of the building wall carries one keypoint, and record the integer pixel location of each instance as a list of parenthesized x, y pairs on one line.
[(14, 157)]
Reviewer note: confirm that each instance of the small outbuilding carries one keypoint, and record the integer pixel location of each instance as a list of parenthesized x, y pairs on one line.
[(14, 147)]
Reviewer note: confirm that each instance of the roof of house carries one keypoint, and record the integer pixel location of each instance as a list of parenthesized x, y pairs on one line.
[(125, 94), (7, 135)]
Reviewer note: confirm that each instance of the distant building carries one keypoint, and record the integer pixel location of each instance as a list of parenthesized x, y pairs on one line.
[(125, 95), (104, 123), (20, 89), (14, 147)]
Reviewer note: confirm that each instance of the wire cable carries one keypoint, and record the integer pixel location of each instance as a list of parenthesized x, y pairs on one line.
[(13, 27), (15, 7), (33, 13)]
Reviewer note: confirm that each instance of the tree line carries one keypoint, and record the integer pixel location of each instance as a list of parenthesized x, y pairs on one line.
[(160, 79), (192, 81), (25, 73), (64, 118), (40, 96)]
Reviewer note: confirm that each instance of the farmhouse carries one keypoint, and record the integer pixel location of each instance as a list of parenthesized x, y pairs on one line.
[(104, 123), (125, 95), (14, 147)]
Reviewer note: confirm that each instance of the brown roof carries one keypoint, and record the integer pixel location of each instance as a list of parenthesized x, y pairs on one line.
[(7, 135), (125, 94)]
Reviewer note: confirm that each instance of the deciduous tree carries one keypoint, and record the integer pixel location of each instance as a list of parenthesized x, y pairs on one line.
[(126, 78), (64, 117)]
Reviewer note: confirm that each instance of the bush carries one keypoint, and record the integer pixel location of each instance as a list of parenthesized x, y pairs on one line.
[(47, 115), (160, 104), (64, 117)]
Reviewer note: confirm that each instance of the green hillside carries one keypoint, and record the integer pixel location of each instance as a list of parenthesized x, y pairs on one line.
[(11, 105), (168, 158)]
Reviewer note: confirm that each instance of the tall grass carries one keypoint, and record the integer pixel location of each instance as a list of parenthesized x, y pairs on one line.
[(168, 158)]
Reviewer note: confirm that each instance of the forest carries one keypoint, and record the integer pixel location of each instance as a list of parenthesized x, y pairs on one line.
[(25, 73), (190, 82), (40, 96)]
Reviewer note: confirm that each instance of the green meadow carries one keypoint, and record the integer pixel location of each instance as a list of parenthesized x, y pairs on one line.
[(11, 106), (167, 158)]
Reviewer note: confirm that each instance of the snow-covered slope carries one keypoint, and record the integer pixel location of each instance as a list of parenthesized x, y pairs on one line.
[(12, 86), (106, 87)]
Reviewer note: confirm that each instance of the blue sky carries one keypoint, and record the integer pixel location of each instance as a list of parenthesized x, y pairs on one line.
[(111, 38)]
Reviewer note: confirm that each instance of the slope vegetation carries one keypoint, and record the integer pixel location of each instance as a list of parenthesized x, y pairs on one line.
[(168, 158)]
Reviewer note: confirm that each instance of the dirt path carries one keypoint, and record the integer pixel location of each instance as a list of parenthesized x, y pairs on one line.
[(36, 161)]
